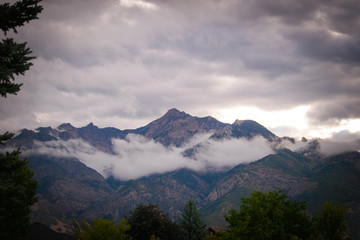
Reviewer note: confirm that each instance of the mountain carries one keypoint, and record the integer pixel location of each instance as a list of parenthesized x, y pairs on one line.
[(66, 188), (70, 188), (244, 129), (176, 127), (99, 138)]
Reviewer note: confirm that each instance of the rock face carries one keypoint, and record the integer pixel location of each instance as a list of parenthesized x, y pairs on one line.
[(176, 127), (69, 188), (244, 129)]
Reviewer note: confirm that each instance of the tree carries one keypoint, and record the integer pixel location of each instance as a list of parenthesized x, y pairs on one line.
[(101, 229), (191, 225), (17, 186), (153, 237), (330, 223), (148, 220), (14, 57), (17, 191), (270, 215)]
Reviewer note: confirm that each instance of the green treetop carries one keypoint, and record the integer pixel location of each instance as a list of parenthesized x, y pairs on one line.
[(15, 57), (148, 221), (191, 225), (101, 229), (17, 191), (330, 223), (269, 215)]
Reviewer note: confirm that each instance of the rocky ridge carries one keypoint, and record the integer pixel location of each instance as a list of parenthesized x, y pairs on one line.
[(69, 188)]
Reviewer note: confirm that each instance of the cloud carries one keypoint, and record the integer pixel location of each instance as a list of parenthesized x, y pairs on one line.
[(333, 111), (340, 142), (215, 155), (137, 156), (124, 63), (138, 3), (337, 143)]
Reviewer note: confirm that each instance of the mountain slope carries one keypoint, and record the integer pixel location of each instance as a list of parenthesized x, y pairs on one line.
[(66, 187), (335, 178), (338, 179), (284, 170), (69, 188)]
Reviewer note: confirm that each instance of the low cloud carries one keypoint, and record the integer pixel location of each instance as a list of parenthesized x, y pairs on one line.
[(215, 155), (137, 156), (340, 142), (293, 146)]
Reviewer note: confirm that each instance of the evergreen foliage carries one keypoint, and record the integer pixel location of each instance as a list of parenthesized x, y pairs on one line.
[(15, 57), (6, 136), (191, 225), (13, 16), (14, 60), (17, 191), (17, 186), (148, 220)]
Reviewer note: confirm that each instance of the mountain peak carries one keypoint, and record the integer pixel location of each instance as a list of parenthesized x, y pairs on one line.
[(176, 127), (91, 124), (244, 128), (175, 113), (65, 126), (238, 122)]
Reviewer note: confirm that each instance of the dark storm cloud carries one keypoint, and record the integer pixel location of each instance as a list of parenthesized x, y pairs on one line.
[(321, 29), (320, 44), (126, 62), (333, 111)]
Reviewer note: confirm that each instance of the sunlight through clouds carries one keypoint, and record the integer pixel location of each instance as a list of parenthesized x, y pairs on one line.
[(295, 117), (138, 3)]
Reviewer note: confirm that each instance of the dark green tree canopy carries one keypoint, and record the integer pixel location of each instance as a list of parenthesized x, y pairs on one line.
[(149, 220), (191, 225), (14, 60), (270, 215), (13, 16), (330, 223), (17, 185), (17, 191), (15, 57)]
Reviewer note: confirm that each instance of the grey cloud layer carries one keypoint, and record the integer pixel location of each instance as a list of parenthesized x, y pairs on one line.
[(137, 157), (112, 62)]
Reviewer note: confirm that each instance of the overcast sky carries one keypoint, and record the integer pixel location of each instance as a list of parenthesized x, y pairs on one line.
[(293, 66)]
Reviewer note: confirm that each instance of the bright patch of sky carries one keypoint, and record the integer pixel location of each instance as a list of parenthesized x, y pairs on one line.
[(138, 3), (294, 118)]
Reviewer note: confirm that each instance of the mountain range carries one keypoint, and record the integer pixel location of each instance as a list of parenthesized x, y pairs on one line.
[(213, 163)]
